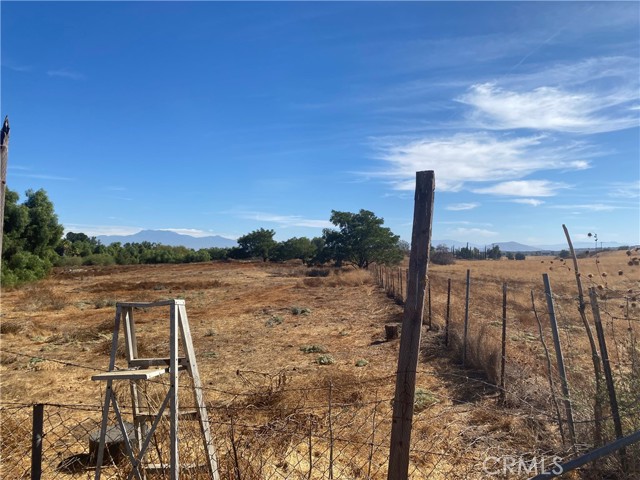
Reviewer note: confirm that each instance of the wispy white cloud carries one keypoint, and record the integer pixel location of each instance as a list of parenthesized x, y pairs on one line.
[(193, 232), (550, 108), (95, 230), (64, 73), (471, 232), (462, 206), (591, 207), (285, 221), (529, 188), (477, 157), (625, 190), (534, 202), (40, 176)]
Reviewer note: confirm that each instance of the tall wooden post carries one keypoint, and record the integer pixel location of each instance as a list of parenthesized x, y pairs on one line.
[(411, 327), (4, 158), (446, 322), (466, 321), (503, 361), (560, 360), (613, 401), (597, 406)]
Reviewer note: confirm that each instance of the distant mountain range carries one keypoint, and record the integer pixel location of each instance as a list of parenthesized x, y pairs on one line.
[(167, 237), (520, 247)]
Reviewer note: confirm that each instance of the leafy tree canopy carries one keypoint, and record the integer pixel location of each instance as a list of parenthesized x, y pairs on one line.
[(361, 239), (258, 243), (31, 235)]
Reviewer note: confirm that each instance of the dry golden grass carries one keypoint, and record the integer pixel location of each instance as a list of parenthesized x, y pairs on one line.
[(254, 365)]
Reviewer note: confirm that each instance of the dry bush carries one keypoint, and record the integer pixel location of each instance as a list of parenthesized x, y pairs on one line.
[(313, 282), (38, 297), (349, 278), (11, 327)]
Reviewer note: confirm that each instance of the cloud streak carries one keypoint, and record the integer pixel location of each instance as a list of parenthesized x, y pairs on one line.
[(284, 221), (462, 206), (477, 157), (69, 74), (529, 188), (550, 109)]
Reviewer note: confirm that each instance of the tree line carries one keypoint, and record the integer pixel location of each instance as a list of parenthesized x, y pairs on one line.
[(34, 243)]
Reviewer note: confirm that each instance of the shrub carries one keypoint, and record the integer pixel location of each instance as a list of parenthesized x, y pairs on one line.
[(443, 258), (325, 360), (313, 349), (318, 272), (99, 259), (423, 399), (520, 256), (274, 320), (300, 310)]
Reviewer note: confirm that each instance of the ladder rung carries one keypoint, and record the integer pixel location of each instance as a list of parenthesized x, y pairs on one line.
[(155, 362), (182, 414), (142, 374)]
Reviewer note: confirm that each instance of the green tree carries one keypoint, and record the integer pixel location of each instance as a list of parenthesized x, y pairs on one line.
[(300, 248), (442, 256), (494, 253), (361, 240), (31, 235), (258, 244)]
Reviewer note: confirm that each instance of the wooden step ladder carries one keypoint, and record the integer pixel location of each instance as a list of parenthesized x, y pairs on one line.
[(141, 369)]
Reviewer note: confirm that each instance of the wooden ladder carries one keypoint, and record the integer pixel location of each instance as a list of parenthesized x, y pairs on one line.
[(140, 369)]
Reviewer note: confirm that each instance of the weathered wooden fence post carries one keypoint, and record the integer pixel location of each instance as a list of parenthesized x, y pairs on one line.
[(411, 328), (466, 321), (4, 157), (446, 322), (560, 361), (503, 360), (613, 401), (597, 407), (549, 372), (36, 441)]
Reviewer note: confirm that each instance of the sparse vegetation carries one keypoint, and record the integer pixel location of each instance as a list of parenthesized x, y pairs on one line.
[(313, 349), (325, 359)]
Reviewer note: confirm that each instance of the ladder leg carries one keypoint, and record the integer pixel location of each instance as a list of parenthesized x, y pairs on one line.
[(173, 392), (201, 408), (103, 430)]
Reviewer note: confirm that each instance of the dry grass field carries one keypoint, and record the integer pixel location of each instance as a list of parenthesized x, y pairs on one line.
[(276, 345)]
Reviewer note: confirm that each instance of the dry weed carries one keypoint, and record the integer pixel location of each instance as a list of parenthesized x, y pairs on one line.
[(40, 297)]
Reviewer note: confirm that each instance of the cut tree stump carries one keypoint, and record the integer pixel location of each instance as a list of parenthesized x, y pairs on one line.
[(114, 449)]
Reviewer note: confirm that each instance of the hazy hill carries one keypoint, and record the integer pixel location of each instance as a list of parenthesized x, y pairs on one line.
[(166, 237)]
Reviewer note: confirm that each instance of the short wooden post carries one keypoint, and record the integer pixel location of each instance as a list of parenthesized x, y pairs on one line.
[(390, 332), (503, 361), (560, 360), (613, 401), (36, 441), (466, 321), (446, 321), (411, 328)]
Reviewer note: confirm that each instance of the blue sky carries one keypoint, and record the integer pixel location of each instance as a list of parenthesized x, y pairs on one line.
[(220, 118)]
